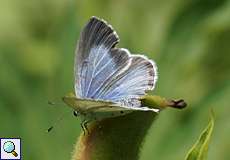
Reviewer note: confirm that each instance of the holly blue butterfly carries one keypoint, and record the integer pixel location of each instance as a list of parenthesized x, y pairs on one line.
[(109, 81)]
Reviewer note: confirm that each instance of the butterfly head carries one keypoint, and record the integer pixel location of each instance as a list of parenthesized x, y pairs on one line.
[(69, 99)]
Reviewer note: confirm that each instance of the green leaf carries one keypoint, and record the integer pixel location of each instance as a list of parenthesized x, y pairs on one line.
[(200, 149)]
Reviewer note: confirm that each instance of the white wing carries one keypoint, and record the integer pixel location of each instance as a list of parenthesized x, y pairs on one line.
[(108, 73)]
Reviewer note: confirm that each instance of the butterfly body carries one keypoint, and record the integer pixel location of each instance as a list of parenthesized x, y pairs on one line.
[(90, 109), (109, 81)]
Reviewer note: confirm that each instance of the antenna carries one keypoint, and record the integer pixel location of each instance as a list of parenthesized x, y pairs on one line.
[(56, 122), (49, 129), (53, 103)]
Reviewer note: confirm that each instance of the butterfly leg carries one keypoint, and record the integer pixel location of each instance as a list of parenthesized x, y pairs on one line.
[(83, 126)]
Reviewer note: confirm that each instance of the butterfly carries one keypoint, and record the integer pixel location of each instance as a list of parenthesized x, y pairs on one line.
[(109, 81)]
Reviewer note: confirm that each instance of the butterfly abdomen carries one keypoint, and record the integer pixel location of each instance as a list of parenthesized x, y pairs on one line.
[(96, 116)]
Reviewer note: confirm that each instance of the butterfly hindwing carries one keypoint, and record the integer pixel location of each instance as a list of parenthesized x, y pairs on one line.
[(132, 82)]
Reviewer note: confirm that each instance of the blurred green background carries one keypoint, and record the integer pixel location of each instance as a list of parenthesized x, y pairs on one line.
[(189, 40)]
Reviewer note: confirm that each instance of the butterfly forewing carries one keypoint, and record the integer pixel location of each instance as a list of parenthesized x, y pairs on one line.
[(93, 61)]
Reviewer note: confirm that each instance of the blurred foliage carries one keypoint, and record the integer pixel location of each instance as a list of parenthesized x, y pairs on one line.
[(200, 149), (189, 40)]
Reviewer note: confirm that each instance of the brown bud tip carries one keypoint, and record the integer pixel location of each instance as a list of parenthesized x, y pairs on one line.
[(180, 104)]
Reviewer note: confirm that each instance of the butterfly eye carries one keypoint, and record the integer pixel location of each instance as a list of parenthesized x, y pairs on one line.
[(75, 113)]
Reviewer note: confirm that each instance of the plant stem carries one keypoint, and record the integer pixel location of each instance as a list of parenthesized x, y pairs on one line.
[(118, 138)]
